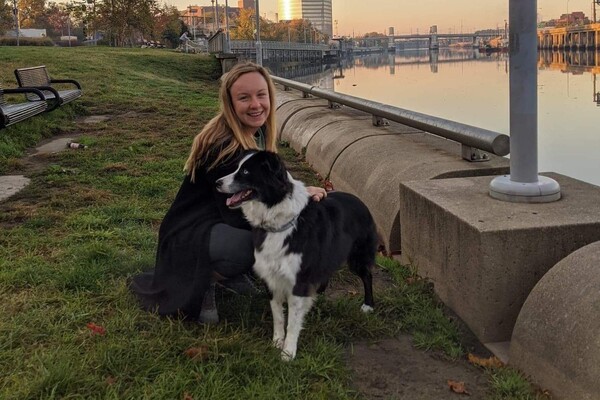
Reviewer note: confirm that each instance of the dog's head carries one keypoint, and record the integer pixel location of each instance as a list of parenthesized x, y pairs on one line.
[(260, 176)]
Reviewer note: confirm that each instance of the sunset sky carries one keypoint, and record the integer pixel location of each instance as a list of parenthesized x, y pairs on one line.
[(408, 16)]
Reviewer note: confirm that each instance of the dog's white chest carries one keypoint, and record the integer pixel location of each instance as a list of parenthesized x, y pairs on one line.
[(274, 265)]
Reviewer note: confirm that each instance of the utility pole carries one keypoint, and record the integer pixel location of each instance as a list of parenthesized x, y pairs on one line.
[(16, 14), (258, 43), (523, 185), (227, 48)]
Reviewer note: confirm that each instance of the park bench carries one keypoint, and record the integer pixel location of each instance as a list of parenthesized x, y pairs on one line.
[(11, 113), (39, 78)]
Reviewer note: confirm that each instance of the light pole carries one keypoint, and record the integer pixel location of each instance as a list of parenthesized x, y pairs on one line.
[(523, 185), (214, 19), (16, 14), (227, 48), (258, 43), (217, 14)]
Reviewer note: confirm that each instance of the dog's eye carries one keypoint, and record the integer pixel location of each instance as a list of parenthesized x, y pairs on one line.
[(245, 171)]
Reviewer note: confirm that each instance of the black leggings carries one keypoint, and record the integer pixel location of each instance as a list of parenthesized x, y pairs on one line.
[(231, 250)]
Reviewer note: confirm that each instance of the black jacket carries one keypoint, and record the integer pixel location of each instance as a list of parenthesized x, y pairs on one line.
[(182, 272)]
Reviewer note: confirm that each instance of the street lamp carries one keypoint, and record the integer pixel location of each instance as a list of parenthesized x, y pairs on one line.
[(227, 48), (214, 20), (16, 14), (258, 43)]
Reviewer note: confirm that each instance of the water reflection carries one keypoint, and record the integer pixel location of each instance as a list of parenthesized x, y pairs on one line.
[(473, 88), (575, 63)]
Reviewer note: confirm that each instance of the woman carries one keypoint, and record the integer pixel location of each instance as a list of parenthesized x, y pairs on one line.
[(200, 240)]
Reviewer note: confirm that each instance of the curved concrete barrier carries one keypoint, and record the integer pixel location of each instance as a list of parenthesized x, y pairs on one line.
[(371, 161), (556, 339)]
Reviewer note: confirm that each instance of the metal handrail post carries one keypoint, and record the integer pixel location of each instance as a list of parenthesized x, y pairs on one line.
[(523, 185)]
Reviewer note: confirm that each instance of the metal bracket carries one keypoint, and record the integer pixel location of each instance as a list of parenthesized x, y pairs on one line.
[(334, 105), (305, 95), (287, 88), (473, 154), (380, 121)]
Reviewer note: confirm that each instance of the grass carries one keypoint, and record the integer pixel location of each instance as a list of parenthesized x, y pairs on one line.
[(89, 220)]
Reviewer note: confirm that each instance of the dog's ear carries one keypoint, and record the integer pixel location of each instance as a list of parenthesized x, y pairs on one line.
[(274, 166)]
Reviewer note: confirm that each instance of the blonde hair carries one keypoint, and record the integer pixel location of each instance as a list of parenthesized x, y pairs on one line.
[(226, 126)]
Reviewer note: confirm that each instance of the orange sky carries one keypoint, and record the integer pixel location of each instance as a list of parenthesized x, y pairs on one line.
[(410, 16)]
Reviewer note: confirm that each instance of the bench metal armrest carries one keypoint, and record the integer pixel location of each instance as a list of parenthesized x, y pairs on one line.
[(56, 102), (37, 91), (73, 81)]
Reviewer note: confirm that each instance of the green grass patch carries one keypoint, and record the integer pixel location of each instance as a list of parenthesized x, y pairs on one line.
[(89, 220)]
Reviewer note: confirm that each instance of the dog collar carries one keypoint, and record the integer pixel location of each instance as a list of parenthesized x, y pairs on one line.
[(289, 224)]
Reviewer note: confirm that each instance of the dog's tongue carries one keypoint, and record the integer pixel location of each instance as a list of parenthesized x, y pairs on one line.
[(235, 199)]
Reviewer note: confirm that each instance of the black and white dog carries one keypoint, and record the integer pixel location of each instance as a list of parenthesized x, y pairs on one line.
[(299, 243)]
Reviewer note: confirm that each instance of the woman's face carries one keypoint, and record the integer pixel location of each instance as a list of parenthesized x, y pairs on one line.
[(251, 103)]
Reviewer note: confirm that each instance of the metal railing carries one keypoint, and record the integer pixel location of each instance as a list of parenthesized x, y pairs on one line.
[(249, 44), (471, 138)]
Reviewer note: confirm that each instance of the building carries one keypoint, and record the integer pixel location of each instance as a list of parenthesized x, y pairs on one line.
[(246, 4), (318, 12), (201, 20)]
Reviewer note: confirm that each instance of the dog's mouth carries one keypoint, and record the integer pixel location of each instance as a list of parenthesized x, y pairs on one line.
[(238, 198)]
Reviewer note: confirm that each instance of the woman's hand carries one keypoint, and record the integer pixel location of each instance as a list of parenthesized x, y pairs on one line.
[(316, 193)]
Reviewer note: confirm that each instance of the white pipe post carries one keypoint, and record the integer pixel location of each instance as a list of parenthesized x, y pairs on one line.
[(259, 60), (523, 185), (227, 48)]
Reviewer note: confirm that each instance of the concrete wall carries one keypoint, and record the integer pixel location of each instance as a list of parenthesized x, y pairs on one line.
[(369, 161)]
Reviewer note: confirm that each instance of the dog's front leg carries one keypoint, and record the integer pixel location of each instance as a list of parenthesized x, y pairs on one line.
[(278, 320), (298, 307)]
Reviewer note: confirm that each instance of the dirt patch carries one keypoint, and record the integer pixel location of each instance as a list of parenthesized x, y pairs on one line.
[(394, 369)]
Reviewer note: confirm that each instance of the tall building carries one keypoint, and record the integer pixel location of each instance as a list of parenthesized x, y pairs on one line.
[(246, 4), (318, 12)]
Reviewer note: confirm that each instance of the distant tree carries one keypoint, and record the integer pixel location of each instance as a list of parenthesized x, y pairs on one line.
[(57, 19), (168, 26), (6, 16), (245, 26), (124, 21), (31, 13)]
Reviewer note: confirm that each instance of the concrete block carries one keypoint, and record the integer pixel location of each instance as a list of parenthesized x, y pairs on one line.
[(484, 255), (556, 340)]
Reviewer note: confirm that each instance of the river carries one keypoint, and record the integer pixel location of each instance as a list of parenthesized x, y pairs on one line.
[(473, 88)]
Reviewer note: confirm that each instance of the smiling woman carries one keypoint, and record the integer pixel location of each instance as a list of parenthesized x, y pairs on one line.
[(202, 242)]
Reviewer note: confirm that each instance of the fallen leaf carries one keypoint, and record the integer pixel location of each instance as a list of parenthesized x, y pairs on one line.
[(96, 329), (491, 362), (187, 396), (352, 292), (110, 380), (197, 353), (458, 387)]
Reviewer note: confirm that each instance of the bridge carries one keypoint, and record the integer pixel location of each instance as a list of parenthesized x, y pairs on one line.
[(433, 37)]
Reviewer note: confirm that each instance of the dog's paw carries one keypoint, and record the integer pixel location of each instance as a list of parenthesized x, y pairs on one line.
[(366, 309), (285, 356)]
